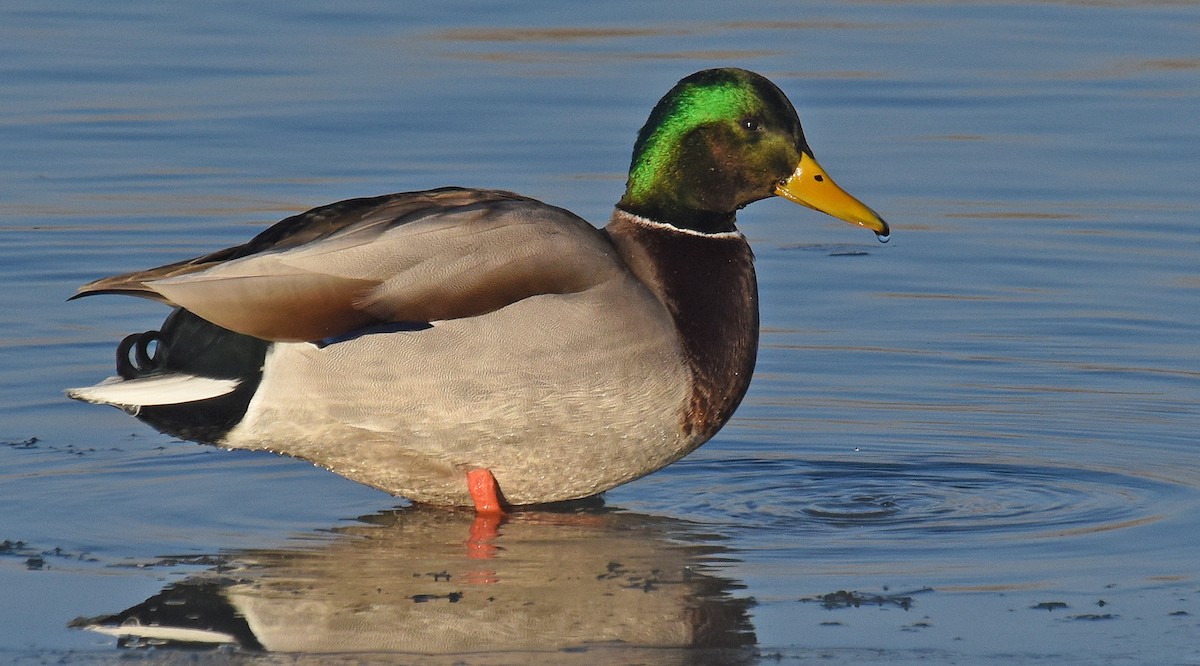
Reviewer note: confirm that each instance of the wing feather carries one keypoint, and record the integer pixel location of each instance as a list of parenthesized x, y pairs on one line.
[(412, 257)]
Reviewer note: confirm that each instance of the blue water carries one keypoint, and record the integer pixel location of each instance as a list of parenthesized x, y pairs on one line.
[(983, 433)]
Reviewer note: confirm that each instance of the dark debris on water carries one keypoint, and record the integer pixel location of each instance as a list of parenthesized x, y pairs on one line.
[(37, 559), (30, 443), (845, 599), (452, 597), (216, 563), (35, 443)]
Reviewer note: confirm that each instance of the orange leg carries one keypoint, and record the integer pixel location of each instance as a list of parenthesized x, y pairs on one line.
[(485, 491)]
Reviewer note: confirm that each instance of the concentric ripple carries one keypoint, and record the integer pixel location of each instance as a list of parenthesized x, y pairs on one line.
[(927, 496)]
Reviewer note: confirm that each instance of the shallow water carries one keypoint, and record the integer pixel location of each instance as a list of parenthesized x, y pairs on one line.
[(974, 444)]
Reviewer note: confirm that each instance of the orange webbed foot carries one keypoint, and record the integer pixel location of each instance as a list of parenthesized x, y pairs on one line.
[(485, 492), (489, 512)]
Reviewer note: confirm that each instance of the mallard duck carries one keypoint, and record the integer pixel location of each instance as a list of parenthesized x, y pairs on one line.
[(476, 347)]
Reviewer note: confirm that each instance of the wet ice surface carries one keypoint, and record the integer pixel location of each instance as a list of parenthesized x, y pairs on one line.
[(975, 444)]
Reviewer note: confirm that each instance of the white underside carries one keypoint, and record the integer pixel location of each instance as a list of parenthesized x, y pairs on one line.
[(557, 399)]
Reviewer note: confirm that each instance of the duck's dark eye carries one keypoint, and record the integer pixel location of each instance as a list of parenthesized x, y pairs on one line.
[(750, 124)]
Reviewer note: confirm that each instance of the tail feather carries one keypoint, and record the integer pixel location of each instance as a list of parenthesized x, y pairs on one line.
[(191, 378), (170, 388)]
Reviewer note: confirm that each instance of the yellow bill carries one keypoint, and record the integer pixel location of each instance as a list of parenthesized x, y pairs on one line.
[(810, 186)]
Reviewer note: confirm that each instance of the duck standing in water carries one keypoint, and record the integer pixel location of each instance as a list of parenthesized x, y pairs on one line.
[(461, 346)]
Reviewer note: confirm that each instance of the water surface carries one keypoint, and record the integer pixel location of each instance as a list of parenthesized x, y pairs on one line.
[(974, 444)]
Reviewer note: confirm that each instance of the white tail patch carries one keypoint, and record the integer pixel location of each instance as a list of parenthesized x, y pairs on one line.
[(164, 389), (180, 634)]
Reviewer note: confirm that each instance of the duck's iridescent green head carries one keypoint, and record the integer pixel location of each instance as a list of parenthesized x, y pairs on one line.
[(723, 138)]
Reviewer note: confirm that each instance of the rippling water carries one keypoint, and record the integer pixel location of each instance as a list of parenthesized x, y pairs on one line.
[(976, 444)]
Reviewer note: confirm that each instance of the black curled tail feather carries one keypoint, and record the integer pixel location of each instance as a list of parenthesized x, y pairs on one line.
[(190, 345), (142, 363)]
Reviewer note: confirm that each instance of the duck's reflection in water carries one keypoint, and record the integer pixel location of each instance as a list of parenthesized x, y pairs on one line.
[(431, 581)]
